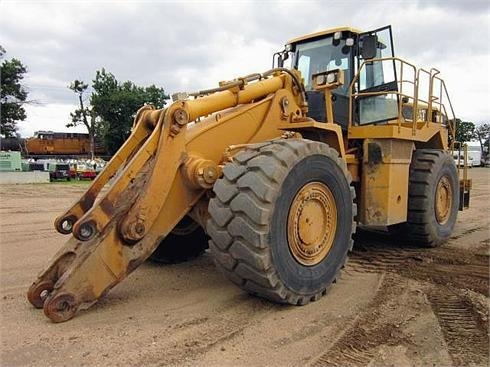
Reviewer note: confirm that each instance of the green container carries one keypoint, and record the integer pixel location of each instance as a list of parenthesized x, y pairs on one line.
[(10, 162)]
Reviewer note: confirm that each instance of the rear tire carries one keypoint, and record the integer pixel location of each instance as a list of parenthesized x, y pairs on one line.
[(433, 198), (186, 242), (282, 219)]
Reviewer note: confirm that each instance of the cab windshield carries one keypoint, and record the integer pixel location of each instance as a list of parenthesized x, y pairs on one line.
[(322, 55)]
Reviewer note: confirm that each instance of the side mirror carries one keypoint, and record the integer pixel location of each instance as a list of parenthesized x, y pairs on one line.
[(280, 61), (283, 56), (369, 47), (280, 57)]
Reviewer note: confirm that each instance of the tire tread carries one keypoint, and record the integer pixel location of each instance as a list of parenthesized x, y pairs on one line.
[(246, 192)]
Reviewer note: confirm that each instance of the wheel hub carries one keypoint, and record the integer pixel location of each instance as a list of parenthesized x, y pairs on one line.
[(444, 199), (312, 222)]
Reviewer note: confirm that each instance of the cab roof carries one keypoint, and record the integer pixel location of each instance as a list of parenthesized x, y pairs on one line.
[(324, 33)]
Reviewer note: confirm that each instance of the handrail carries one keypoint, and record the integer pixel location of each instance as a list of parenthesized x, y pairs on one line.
[(436, 98), (433, 73), (400, 83)]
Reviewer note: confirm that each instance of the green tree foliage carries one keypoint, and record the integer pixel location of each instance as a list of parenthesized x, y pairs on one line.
[(12, 95), (113, 106), (465, 130), (84, 115), (482, 133)]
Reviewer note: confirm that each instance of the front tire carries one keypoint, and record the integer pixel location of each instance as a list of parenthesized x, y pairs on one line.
[(282, 219)]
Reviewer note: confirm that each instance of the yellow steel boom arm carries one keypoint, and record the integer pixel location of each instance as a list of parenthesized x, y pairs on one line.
[(171, 159)]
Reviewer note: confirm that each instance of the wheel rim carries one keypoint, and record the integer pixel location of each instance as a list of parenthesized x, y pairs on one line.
[(444, 200), (312, 222)]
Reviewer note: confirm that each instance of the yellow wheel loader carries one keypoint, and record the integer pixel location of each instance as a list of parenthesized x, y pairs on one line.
[(274, 171)]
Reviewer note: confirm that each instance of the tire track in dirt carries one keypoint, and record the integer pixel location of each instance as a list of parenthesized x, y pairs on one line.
[(292, 336), (450, 273), (465, 332), (189, 338), (469, 231), (360, 343), (444, 266), (320, 321)]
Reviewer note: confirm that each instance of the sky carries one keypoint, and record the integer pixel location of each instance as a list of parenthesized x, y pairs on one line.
[(192, 45)]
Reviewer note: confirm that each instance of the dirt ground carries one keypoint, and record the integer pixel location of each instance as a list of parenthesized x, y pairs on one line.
[(392, 306)]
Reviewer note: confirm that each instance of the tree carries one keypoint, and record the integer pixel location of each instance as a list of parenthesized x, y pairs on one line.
[(116, 103), (83, 115), (482, 133), (12, 95), (113, 106), (465, 130)]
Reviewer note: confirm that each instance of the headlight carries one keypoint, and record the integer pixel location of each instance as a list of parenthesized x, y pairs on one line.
[(331, 78), (328, 79), (321, 79)]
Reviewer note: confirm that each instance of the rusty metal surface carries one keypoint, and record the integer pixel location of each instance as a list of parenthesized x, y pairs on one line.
[(159, 175), (384, 181)]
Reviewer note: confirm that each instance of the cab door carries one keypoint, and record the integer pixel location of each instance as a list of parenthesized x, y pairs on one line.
[(377, 78)]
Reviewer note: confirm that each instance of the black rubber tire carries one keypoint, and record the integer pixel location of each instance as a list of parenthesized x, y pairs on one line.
[(248, 219), (422, 228), (186, 242)]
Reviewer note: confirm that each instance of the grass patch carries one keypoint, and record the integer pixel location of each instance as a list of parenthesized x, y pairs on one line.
[(72, 182)]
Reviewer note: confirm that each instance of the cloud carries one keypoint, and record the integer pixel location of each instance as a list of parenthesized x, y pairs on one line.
[(52, 117), (467, 6), (191, 45)]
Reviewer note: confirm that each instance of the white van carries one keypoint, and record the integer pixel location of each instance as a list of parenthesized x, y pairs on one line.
[(474, 151)]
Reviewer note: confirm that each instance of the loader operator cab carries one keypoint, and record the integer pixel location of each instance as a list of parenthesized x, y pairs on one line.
[(346, 49)]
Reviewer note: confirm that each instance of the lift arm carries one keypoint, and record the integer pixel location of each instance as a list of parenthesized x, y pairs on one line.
[(169, 162)]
